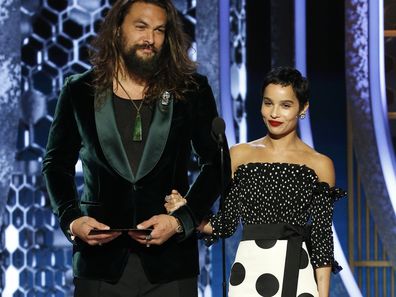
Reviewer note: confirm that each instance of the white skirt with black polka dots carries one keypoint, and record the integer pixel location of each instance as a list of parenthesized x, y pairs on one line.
[(258, 271)]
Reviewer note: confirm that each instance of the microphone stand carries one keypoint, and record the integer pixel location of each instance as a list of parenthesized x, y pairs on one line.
[(218, 130), (222, 207)]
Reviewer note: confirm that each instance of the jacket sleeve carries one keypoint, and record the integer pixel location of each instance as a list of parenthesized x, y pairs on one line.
[(207, 186), (63, 147)]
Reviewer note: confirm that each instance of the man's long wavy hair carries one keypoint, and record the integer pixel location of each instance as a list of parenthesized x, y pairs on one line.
[(175, 68)]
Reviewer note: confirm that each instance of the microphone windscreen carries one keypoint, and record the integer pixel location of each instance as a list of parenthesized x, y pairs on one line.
[(218, 126)]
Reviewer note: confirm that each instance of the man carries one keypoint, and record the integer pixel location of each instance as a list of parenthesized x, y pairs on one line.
[(132, 120)]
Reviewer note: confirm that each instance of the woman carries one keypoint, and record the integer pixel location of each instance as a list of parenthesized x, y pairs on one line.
[(282, 190)]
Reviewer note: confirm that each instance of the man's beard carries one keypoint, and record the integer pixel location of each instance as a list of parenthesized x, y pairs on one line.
[(142, 68)]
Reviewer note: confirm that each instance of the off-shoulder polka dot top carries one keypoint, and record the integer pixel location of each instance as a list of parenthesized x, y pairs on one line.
[(270, 193)]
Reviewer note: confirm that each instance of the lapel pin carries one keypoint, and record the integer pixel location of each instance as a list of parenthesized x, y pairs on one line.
[(165, 98)]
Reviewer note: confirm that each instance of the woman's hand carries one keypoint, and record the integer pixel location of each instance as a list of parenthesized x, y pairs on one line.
[(174, 201), (205, 227)]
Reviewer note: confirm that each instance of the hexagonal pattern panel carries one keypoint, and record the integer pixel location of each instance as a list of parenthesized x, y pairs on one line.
[(37, 259)]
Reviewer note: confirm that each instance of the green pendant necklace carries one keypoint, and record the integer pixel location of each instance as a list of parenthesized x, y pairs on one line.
[(137, 127)]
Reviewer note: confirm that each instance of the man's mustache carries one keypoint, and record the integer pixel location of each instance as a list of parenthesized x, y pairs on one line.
[(146, 46)]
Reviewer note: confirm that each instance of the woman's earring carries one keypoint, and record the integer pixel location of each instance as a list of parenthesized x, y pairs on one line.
[(302, 116)]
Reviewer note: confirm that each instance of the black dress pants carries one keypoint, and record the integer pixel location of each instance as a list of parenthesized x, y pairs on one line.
[(134, 283)]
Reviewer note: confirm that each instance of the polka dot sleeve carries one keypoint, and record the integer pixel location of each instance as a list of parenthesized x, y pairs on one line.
[(322, 245), (224, 225)]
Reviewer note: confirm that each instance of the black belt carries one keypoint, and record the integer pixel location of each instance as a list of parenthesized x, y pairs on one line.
[(295, 236)]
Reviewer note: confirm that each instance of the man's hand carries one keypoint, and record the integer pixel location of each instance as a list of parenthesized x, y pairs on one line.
[(82, 226), (164, 226)]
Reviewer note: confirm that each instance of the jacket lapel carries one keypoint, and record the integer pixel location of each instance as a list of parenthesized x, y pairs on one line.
[(110, 139), (157, 137)]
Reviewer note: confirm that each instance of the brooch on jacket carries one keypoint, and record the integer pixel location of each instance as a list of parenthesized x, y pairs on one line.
[(165, 97), (165, 100)]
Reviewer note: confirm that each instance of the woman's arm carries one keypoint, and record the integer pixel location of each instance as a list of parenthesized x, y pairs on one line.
[(323, 280), (175, 201), (322, 213)]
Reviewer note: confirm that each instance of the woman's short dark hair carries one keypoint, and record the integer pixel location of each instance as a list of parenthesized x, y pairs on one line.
[(288, 76)]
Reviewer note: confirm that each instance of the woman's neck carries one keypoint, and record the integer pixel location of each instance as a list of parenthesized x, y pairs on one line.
[(285, 142)]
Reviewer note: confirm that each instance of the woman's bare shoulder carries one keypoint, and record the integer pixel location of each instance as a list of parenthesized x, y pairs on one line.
[(243, 153), (323, 167)]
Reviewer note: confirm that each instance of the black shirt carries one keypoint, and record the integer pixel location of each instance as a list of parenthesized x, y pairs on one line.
[(125, 113)]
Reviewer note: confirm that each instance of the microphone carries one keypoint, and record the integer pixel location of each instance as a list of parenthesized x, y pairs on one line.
[(218, 130)]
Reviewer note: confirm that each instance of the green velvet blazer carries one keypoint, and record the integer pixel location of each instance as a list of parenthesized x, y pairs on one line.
[(114, 195)]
